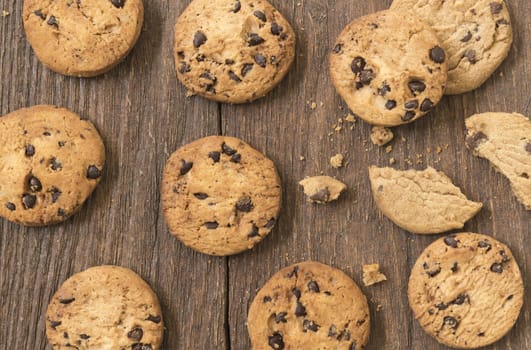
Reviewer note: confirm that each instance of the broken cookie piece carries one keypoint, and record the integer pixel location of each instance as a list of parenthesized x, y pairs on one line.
[(372, 274), (337, 161), (505, 140), (322, 189), (423, 202), (381, 136)]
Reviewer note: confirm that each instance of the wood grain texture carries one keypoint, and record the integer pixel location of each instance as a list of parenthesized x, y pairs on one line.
[(143, 115)]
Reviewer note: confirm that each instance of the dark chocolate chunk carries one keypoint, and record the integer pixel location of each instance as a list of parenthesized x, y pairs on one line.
[(209, 76), (460, 299), (295, 291), (358, 64), (200, 58), (481, 334), (510, 297), (154, 319), (450, 322), (413, 104), (501, 22), (55, 324), (61, 143), (61, 212), (254, 232), (11, 206), (471, 56), (237, 6), (118, 3), (352, 346), (390, 104), (484, 244), (236, 158), (308, 325), (270, 223), (215, 156), (332, 331), (337, 48), (234, 77), (211, 225), (300, 310), (454, 267), (416, 86), (384, 89), (185, 167), (441, 306), (135, 334), (34, 184), (40, 14), (93, 172), (28, 200), (181, 55), (185, 68), (30, 150), (474, 140), (229, 61), (528, 147), (496, 267), (276, 28), (53, 22), (281, 317), (275, 341), (313, 286), (366, 76), (66, 301), (495, 8), (260, 60), (504, 256), (199, 39), (433, 272), (408, 116), (227, 149), (55, 164), (84, 336), (140, 346), (426, 105), (437, 54), (65, 335), (254, 39), (267, 299), (56, 193), (200, 195), (451, 241), (321, 196), (467, 37), (47, 133), (245, 204), (260, 15), (246, 68)]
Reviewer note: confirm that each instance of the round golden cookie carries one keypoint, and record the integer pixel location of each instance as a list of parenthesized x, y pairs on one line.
[(389, 68), (232, 50), (104, 307), (476, 34), (466, 290), (82, 38), (50, 162), (309, 306), (220, 196)]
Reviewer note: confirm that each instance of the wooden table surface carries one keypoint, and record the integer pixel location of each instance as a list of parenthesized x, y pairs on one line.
[(143, 115)]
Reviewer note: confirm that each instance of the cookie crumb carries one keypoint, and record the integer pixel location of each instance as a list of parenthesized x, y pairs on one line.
[(337, 161), (392, 160), (322, 189), (372, 274), (378, 307), (438, 150), (302, 158), (388, 149), (5, 13), (381, 136), (313, 105), (350, 118)]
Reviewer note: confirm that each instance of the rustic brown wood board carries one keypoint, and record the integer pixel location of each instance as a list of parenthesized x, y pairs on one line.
[(143, 115)]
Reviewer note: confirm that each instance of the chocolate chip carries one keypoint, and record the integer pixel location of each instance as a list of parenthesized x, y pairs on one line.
[(185, 68), (66, 301), (467, 37), (201, 195), (254, 39), (471, 56), (408, 116), (276, 28), (246, 68), (140, 346), (437, 54), (384, 89), (308, 325), (227, 149), (474, 140), (275, 341), (504, 256), (300, 310), (426, 105), (484, 244), (366, 76), (199, 39), (56, 193), (229, 61), (496, 267), (237, 7), (30, 150), (28, 200), (500, 22), (454, 267), (11, 206), (40, 14), (390, 104), (154, 319), (61, 212), (215, 156), (441, 306), (254, 232), (84, 336), (313, 286), (200, 58), (93, 172), (234, 77), (53, 22), (118, 3), (236, 158), (55, 164), (210, 88), (267, 299), (357, 65), (281, 317), (337, 48), (432, 273), (135, 333), (352, 346), (416, 86), (270, 223), (245, 204), (510, 297), (450, 322), (321, 196), (495, 8), (34, 184), (295, 291), (185, 167), (61, 143), (481, 334), (260, 60), (413, 104), (451, 241), (181, 55), (65, 335), (528, 147), (260, 15), (55, 324), (460, 299), (209, 76), (211, 225), (47, 133)]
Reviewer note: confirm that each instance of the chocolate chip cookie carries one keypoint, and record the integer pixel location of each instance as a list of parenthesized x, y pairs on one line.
[(50, 162), (466, 290), (232, 50), (389, 67), (220, 196), (423, 202), (104, 307), (82, 38), (308, 306), (476, 35), (505, 140)]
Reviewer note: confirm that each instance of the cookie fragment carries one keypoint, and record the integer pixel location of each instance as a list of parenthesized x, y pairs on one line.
[(322, 189), (372, 274), (505, 140), (337, 161), (307, 304), (381, 136), (423, 202), (110, 295), (220, 196), (476, 296)]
